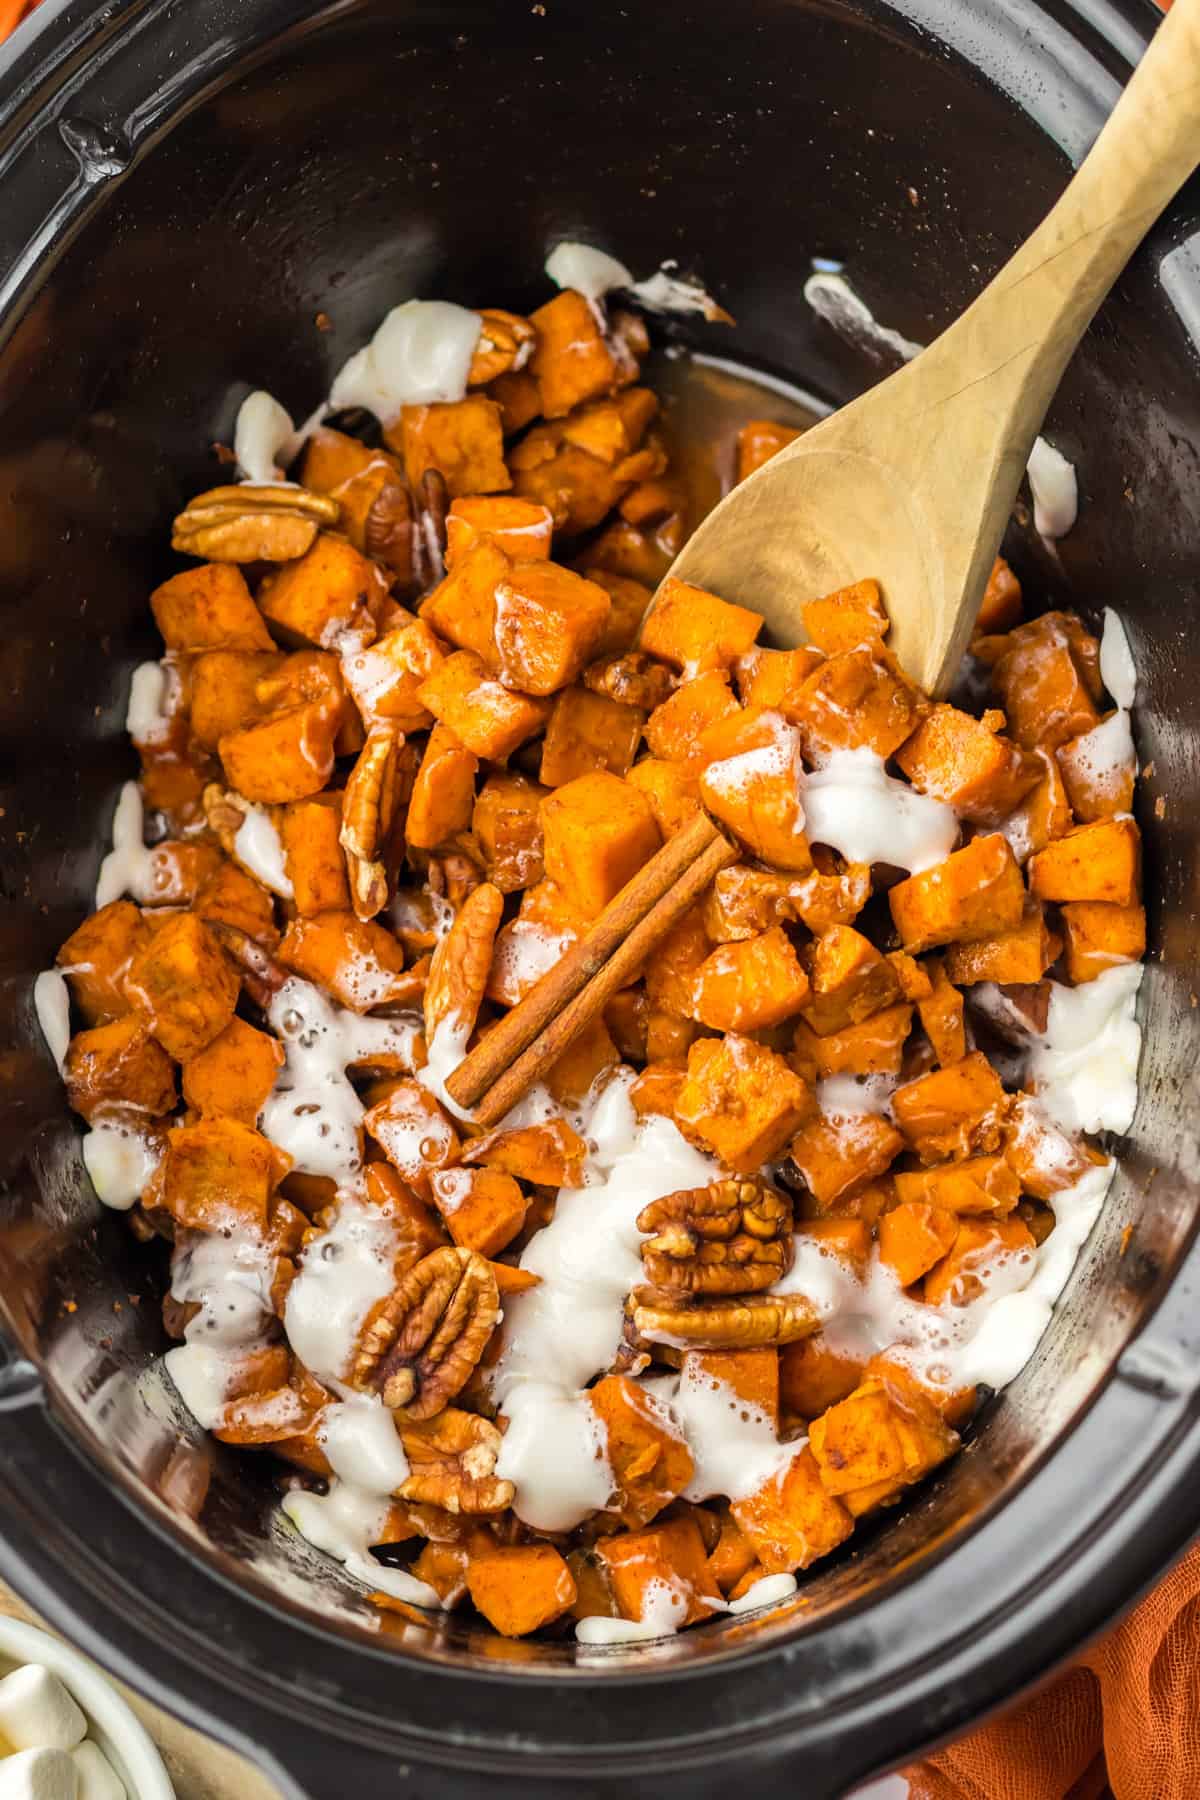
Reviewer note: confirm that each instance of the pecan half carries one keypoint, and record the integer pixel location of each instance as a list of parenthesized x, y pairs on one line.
[(262, 977), (368, 808), (733, 1237), (252, 524), (453, 1461), (389, 530), (634, 679), (506, 341), (746, 1324), (421, 1346), (459, 971)]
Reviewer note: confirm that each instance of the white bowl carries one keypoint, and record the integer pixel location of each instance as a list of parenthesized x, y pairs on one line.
[(111, 1723)]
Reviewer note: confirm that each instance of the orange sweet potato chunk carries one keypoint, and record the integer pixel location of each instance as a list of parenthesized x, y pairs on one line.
[(462, 439), (1102, 861), (222, 692), (874, 1046), (857, 698), (1021, 954), (813, 1376), (913, 1236), (522, 528), (588, 731), (732, 1557), (765, 677), (1044, 814), (629, 601), (443, 795), (752, 1376), (286, 757), (1043, 1158), (217, 1175), (572, 1076), (598, 832), (837, 1155), (673, 790), (483, 1208), (979, 1245), (119, 1065), (232, 1077), (846, 1238), (695, 631), (232, 897), (185, 984), (757, 443), (986, 1185), (548, 621), (974, 893), (953, 1111), (675, 728), (572, 362), (877, 1441), (1000, 608), (1098, 936), (968, 764), (793, 1520), (508, 828), (941, 1013), (489, 719), (1098, 786), (414, 1134), (751, 985), (384, 676), (639, 1564), (850, 980), (649, 1459), (551, 1154), (357, 961), (96, 959), (322, 595), (313, 857), (741, 1100), (851, 618), (657, 1089), (1048, 681), (751, 783), (520, 1587), (209, 608)]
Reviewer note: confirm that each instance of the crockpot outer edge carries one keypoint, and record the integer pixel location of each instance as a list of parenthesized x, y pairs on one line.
[(844, 1698)]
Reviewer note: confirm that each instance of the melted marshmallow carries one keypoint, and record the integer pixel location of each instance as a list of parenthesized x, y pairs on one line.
[(129, 866), (1106, 755), (228, 1278), (119, 1161), (264, 438), (446, 1049), (257, 846), (593, 273), (1084, 1066), (52, 1004), (342, 1275), (1116, 660), (764, 1592), (734, 1447), (420, 354), (1055, 491), (344, 1524), (664, 1610), (852, 804), (153, 688)]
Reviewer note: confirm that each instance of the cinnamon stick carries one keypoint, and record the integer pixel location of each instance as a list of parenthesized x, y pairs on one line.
[(626, 962)]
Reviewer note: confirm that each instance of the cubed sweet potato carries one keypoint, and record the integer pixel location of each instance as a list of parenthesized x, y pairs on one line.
[(222, 691), (550, 1154), (751, 1376), (851, 618), (519, 398), (954, 1111), (675, 728), (443, 795), (357, 961), (1048, 681), (119, 1065), (321, 596), (657, 1089), (979, 1246), (741, 1100), (974, 893), (874, 1046), (488, 718), (1044, 814), (751, 782), (572, 362), (840, 1153), (1102, 861), (218, 1175), (877, 1441), (313, 856), (694, 630), (286, 757), (764, 677), (640, 1564), (968, 764), (384, 676), (185, 984), (849, 1239), (813, 1376), (1000, 608), (673, 790), (1099, 770), (520, 1587), (96, 959), (232, 897), (941, 1014), (648, 1457), (462, 439), (522, 528), (588, 731), (572, 1076), (629, 601), (757, 442), (1098, 936), (751, 985), (1043, 1158), (671, 974), (598, 832), (483, 1208), (850, 980), (1021, 954), (209, 608), (232, 1077), (548, 621), (793, 1519), (508, 828), (914, 1236), (732, 1556), (855, 699), (414, 1134), (986, 1185)]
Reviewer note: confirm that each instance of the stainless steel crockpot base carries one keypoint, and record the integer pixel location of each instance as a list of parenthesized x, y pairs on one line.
[(185, 187)]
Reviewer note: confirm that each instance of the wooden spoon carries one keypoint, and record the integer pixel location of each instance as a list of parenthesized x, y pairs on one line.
[(913, 482)]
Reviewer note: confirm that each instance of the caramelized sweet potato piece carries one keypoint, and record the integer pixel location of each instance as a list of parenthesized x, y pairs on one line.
[(941, 1013), (649, 1459), (443, 793), (877, 1441), (639, 1564), (1021, 954), (231, 897), (974, 893), (1000, 608), (1048, 681), (313, 856), (850, 980), (838, 1154), (522, 528), (953, 1111), (544, 621), (223, 691), (1043, 1158), (384, 677), (96, 959), (571, 1078), (978, 1184), (185, 984), (285, 757), (657, 1089), (849, 1239), (968, 765), (629, 600), (751, 985), (851, 618), (757, 442), (751, 782), (671, 975), (209, 608), (979, 1245), (587, 731), (1092, 862), (813, 1376), (695, 631), (1098, 936), (675, 728), (874, 1046), (1043, 815), (858, 698), (508, 827), (732, 1556), (741, 1100), (119, 1065), (414, 1134), (462, 439), (572, 362), (357, 961), (488, 718), (550, 1154), (793, 1520), (914, 1236), (232, 1077), (764, 677), (1099, 771), (672, 789), (323, 595), (520, 1587), (750, 1376), (598, 832), (218, 1175), (484, 1209)]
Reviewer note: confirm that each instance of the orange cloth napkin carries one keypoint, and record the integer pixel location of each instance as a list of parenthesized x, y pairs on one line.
[(1127, 1713)]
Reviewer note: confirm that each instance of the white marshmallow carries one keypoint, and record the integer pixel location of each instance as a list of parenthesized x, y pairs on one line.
[(39, 1775), (98, 1780), (37, 1712)]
